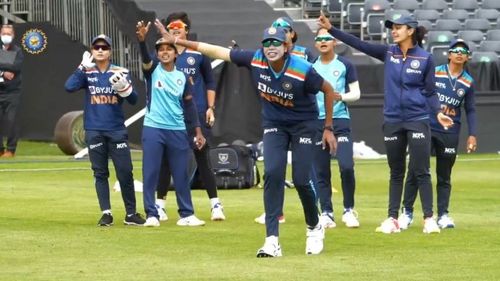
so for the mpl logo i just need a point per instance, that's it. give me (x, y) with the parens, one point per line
(418, 136)
(450, 150)
(92, 79)
(440, 85)
(223, 158)
(121, 145)
(305, 140)
(265, 77)
(395, 60)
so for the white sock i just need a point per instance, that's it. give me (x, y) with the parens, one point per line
(161, 203)
(272, 239)
(107, 212)
(214, 201)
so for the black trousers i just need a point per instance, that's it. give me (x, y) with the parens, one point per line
(445, 148)
(415, 136)
(9, 104)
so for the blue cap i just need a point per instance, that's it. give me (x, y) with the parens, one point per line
(283, 22)
(276, 33)
(456, 42)
(406, 20)
(103, 37)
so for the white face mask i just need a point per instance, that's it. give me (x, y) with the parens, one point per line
(6, 39)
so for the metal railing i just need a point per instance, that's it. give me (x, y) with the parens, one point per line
(82, 20)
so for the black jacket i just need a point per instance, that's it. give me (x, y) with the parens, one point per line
(14, 85)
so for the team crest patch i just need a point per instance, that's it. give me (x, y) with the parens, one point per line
(271, 30)
(223, 158)
(34, 41)
(415, 64)
(336, 73)
(460, 92)
(191, 61)
(179, 82)
(287, 86)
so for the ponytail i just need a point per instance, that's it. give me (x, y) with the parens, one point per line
(418, 35)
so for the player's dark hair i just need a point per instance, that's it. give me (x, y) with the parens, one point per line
(418, 35)
(178, 16)
(295, 37)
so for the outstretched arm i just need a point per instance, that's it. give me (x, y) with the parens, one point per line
(213, 51)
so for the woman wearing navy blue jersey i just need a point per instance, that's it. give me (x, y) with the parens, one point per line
(198, 67)
(169, 107)
(106, 87)
(454, 86)
(409, 91)
(341, 74)
(287, 86)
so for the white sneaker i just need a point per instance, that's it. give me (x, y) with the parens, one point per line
(262, 219)
(190, 221)
(314, 241)
(218, 213)
(388, 226)
(430, 226)
(405, 219)
(350, 218)
(445, 222)
(327, 220)
(271, 248)
(161, 213)
(152, 222)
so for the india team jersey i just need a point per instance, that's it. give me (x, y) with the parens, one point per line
(199, 70)
(165, 92)
(288, 96)
(103, 107)
(303, 52)
(339, 73)
(453, 93)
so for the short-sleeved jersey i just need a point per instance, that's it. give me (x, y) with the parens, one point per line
(165, 93)
(103, 107)
(288, 96)
(453, 93)
(199, 70)
(340, 72)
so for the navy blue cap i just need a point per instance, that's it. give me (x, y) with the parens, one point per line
(276, 33)
(406, 20)
(162, 41)
(456, 42)
(103, 37)
(283, 22)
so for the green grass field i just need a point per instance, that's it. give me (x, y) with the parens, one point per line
(49, 211)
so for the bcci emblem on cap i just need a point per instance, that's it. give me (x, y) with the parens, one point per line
(34, 41)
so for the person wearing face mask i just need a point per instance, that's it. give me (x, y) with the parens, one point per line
(287, 86)
(199, 69)
(106, 87)
(409, 92)
(455, 88)
(170, 106)
(10, 90)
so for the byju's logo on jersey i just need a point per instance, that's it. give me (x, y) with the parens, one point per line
(223, 158)
(460, 92)
(191, 61)
(287, 86)
(395, 60)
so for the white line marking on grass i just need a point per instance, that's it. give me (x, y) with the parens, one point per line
(43, 170)
(368, 161)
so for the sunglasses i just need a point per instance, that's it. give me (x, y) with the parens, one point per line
(101, 47)
(176, 25)
(270, 43)
(459, 50)
(323, 38)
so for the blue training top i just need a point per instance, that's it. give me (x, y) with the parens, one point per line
(198, 68)
(453, 92)
(103, 107)
(287, 96)
(409, 85)
(339, 72)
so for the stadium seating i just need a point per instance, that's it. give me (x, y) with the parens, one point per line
(469, 5)
(475, 36)
(438, 38)
(411, 5)
(490, 46)
(490, 4)
(477, 24)
(448, 24)
(438, 5)
(425, 23)
(458, 14)
(490, 14)
(493, 35)
(430, 15)
(484, 57)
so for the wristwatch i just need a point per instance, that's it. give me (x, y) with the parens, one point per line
(329, 128)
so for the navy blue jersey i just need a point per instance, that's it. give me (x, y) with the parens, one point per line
(198, 68)
(103, 107)
(409, 85)
(453, 92)
(288, 96)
